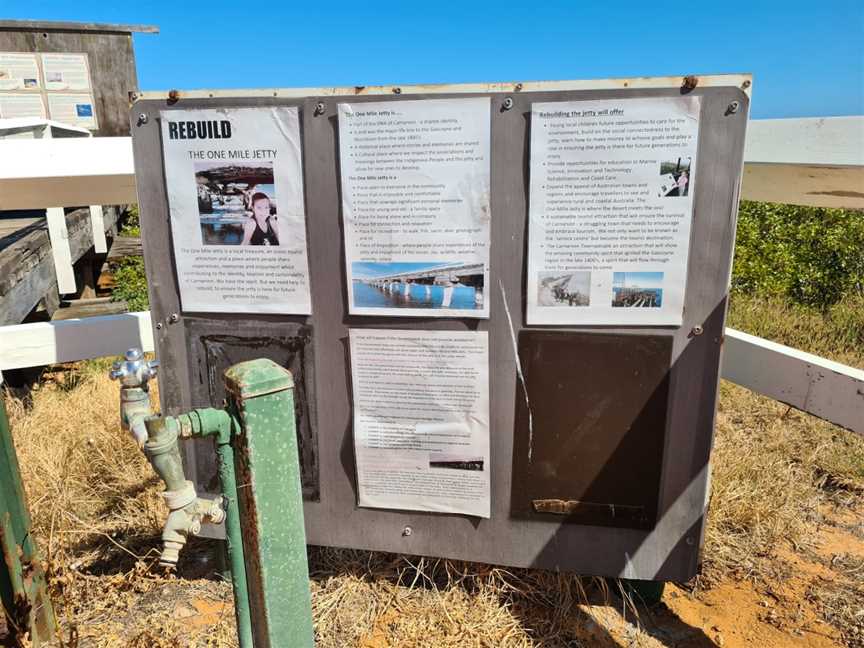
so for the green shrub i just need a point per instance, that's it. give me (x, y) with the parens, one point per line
(131, 222)
(130, 284)
(809, 255)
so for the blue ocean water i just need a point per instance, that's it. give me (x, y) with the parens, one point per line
(218, 234)
(366, 296)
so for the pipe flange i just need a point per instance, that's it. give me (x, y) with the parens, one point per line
(182, 498)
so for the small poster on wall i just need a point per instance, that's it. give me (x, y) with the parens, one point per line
(73, 109)
(235, 192)
(19, 71)
(21, 105)
(66, 72)
(611, 203)
(415, 205)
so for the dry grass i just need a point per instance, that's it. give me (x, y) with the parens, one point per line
(836, 333)
(774, 469)
(97, 517)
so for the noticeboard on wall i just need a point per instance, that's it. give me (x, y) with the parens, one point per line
(503, 304)
(55, 86)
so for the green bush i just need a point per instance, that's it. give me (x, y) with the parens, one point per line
(131, 222)
(130, 284)
(809, 255)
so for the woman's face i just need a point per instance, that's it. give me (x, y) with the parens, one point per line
(261, 208)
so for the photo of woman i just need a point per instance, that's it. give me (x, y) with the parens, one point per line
(262, 227)
(237, 204)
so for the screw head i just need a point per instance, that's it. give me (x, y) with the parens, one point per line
(158, 326)
(397, 90)
(174, 318)
(320, 108)
(697, 330)
(142, 118)
(407, 531)
(508, 103)
(733, 108)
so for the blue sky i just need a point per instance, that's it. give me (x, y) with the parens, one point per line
(807, 57)
(641, 279)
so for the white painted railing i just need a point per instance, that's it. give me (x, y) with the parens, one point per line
(49, 165)
(47, 343)
(810, 383)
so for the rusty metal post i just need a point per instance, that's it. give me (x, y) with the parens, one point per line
(271, 504)
(23, 592)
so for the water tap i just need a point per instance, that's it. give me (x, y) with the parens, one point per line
(134, 373)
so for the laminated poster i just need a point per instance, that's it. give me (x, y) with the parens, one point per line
(19, 71)
(14, 105)
(73, 109)
(421, 419)
(415, 206)
(66, 72)
(611, 205)
(235, 192)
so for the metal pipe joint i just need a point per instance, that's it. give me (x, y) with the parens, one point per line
(187, 510)
(158, 437)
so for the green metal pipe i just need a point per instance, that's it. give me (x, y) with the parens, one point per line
(234, 538)
(22, 579)
(164, 452)
(271, 504)
(220, 424)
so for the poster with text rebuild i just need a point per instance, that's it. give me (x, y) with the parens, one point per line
(415, 206)
(611, 203)
(235, 192)
(421, 419)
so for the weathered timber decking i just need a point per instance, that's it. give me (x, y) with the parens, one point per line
(123, 247)
(78, 308)
(26, 264)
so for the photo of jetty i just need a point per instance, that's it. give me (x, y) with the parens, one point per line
(434, 285)
(224, 198)
(563, 288)
(637, 289)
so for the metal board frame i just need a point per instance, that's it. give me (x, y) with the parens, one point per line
(669, 551)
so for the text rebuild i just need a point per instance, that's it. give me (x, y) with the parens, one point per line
(199, 129)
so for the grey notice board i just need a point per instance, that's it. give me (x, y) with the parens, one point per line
(640, 471)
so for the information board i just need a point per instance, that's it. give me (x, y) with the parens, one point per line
(54, 86)
(540, 417)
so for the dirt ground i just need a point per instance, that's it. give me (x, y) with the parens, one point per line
(788, 610)
(784, 552)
